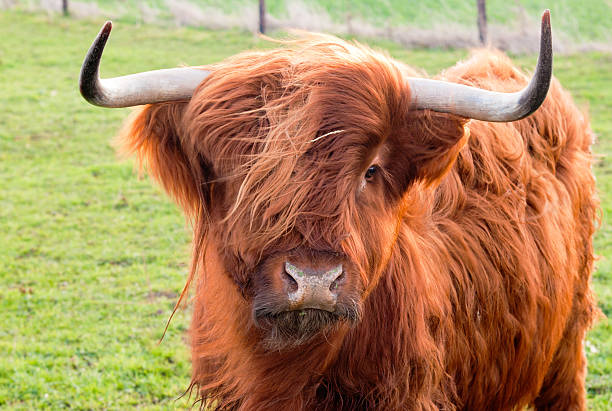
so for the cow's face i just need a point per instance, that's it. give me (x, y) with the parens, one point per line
(297, 167)
(306, 171)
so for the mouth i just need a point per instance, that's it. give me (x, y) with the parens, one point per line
(289, 329)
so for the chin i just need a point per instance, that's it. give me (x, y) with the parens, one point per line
(291, 329)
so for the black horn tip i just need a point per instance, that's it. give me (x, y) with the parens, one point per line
(88, 80)
(108, 26)
(539, 85)
(546, 33)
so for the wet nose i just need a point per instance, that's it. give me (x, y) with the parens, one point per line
(311, 288)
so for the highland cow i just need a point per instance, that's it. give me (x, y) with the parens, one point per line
(368, 239)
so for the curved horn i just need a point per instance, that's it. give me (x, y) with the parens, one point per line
(136, 89)
(472, 102)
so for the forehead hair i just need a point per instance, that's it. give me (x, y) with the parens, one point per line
(286, 132)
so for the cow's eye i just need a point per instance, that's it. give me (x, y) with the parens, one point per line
(371, 172)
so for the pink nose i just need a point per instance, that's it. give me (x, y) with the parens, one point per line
(310, 288)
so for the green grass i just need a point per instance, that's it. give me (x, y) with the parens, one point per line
(92, 258)
(589, 20)
(584, 20)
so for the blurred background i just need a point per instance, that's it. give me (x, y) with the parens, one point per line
(508, 24)
(93, 257)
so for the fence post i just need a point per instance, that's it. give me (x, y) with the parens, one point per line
(262, 16)
(482, 21)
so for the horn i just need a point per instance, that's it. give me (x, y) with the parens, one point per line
(472, 102)
(136, 89)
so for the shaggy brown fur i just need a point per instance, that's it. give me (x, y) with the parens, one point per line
(470, 250)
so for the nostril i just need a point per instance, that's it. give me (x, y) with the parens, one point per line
(292, 285)
(336, 283)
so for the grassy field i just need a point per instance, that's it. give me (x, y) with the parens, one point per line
(589, 20)
(92, 258)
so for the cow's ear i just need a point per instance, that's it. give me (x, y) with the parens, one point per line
(427, 145)
(153, 135)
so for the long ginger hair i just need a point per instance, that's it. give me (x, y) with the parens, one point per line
(472, 251)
